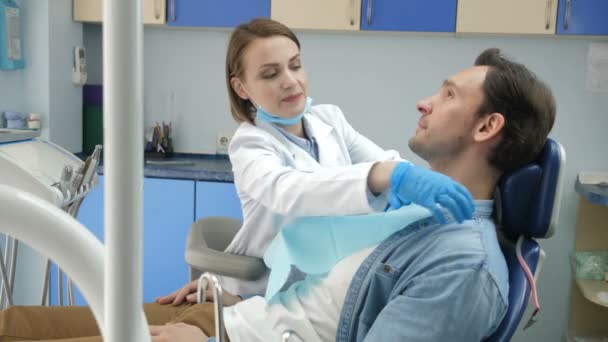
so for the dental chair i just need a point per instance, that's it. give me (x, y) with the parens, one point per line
(527, 207)
(527, 203)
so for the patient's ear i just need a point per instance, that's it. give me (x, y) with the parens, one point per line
(488, 127)
(238, 88)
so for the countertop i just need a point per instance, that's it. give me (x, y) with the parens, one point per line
(198, 167)
(597, 194)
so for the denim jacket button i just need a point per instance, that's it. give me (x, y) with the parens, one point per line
(387, 268)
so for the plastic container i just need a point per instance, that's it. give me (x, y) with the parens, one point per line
(590, 265)
(13, 120)
(33, 121)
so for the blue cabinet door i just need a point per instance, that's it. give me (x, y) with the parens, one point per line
(214, 13)
(168, 214)
(582, 17)
(409, 15)
(217, 199)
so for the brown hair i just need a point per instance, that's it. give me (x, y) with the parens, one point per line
(240, 39)
(527, 105)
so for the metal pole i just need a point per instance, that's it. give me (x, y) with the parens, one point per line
(5, 284)
(47, 280)
(123, 137)
(218, 306)
(13, 268)
(59, 286)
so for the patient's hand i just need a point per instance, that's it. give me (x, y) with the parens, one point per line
(188, 294)
(176, 332)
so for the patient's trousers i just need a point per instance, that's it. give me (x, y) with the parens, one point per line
(77, 324)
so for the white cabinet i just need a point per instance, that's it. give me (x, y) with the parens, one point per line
(513, 16)
(317, 14)
(92, 11)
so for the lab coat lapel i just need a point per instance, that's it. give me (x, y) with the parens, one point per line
(301, 160)
(330, 153)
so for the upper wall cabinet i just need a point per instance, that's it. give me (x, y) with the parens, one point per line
(408, 15)
(318, 14)
(215, 13)
(513, 16)
(577, 17)
(92, 11)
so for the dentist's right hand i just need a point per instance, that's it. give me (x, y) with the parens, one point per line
(409, 183)
(187, 294)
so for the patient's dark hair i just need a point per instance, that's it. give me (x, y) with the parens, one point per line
(526, 103)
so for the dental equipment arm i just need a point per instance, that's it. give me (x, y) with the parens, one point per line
(62, 238)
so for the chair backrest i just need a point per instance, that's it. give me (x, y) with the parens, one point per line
(217, 232)
(527, 204)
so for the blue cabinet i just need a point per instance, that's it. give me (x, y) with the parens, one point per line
(409, 15)
(582, 17)
(217, 199)
(213, 13)
(168, 214)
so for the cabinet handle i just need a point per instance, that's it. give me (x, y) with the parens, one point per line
(548, 14)
(369, 12)
(352, 12)
(567, 16)
(172, 5)
(156, 9)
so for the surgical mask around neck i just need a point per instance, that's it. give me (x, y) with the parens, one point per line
(263, 115)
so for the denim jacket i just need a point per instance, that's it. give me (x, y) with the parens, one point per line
(430, 283)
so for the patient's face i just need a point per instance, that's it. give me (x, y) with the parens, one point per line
(445, 128)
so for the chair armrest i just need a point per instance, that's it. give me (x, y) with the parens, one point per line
(226, 264)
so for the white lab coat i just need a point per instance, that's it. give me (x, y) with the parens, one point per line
(277, 180)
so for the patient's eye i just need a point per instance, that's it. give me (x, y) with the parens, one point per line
(448, 93)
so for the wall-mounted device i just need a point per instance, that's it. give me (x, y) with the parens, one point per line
(11, 55)
(79, 69)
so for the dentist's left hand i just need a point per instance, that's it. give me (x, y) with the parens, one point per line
(410, 183)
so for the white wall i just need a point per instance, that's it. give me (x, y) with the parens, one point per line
(11, 83)
(36, 45)
(11, 87)
(45, 85)
(65, 98)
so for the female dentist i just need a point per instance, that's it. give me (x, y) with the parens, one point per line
(292, 159)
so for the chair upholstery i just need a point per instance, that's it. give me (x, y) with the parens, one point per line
(527, 201)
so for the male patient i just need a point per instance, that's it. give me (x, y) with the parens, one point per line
(422, 283)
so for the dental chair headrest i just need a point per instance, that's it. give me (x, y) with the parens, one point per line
(528, 199)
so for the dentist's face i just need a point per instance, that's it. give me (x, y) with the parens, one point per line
(273, 76)
(446, 125)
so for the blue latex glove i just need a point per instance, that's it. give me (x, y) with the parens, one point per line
(427, 188)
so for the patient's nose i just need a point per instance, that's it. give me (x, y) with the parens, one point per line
(424, 106)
